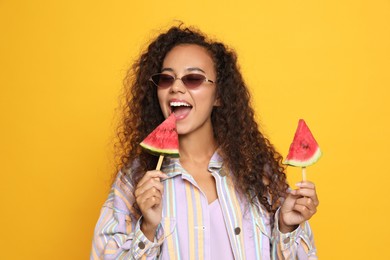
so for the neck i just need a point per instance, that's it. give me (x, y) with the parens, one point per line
(197, 147)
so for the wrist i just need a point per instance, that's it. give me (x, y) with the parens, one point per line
(285, 228)
(148, 230)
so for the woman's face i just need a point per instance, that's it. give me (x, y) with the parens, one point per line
(191, 106)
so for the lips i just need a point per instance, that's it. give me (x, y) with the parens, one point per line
(180, 108)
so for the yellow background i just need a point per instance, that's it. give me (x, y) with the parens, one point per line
(61, 70)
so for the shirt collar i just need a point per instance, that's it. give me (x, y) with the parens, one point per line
(216, 162)
(173, 168)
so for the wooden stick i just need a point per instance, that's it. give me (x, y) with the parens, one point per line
(303, 173)
(160, 160)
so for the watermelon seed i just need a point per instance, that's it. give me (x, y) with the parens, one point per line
(305, 145)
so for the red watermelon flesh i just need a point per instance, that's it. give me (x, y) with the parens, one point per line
(304, 150)
(164, 139)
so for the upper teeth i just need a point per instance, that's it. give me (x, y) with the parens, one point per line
(178, 104)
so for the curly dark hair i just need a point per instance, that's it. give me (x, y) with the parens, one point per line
(246, 152)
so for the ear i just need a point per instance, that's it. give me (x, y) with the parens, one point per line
(217, 102)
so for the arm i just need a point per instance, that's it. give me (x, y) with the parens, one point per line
(292, 236)
(298, 244)
(118, 233)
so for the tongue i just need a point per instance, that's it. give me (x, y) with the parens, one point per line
(179, 111)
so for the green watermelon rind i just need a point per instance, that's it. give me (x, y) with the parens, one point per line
(307, 162)
(154, 151)
(163, 140)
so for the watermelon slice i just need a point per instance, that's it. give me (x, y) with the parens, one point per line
(304, 150)
(164, 139)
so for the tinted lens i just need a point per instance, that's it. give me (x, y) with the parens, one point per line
(193, 80)
(163, 80)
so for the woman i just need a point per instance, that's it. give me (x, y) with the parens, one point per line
(226, 197)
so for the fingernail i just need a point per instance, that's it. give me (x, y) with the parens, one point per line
(299, 184)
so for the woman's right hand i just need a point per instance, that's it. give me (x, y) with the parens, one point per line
(148, 195)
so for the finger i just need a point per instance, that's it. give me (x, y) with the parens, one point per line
(289, 202)
(306, 184)
(151, 184)
(304, 192)
(291, 197)
(158, 175)
(152, 174)
(307, 189)
(148, 188)
(307, 202)
(305, 212)
(309, 193)
(147, 202)
(150, 203)
(152, 192)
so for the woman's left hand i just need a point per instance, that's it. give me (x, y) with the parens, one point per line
(300, 205)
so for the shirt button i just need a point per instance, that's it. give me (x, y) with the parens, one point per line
(141, 245)
(237, 230)
(286, 240)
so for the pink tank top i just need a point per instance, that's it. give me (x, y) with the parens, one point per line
(220, 244)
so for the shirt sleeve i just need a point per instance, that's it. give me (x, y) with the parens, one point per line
(298, 244)
(117, 233)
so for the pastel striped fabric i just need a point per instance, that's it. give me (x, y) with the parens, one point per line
(184, 232)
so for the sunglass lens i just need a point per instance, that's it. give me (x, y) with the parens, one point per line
(163, 80)
(193, 80)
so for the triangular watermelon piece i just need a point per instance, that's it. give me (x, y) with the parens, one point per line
(304, 150)
(164, 139)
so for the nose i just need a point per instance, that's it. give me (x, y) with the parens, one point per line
(178, 86)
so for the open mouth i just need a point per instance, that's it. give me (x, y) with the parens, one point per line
(180, 108)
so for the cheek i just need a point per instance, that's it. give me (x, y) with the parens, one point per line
(163, 96)
(160, 96)
(208, 98)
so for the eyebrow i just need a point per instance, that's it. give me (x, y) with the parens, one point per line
(188, 69)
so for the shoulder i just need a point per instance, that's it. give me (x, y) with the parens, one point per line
(121, 198)
(123, 181)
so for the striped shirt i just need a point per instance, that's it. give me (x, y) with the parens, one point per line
(184, 232)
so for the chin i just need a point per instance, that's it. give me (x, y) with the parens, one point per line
(181, 131)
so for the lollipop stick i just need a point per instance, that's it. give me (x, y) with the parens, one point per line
(160, 160)
(303, 173)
